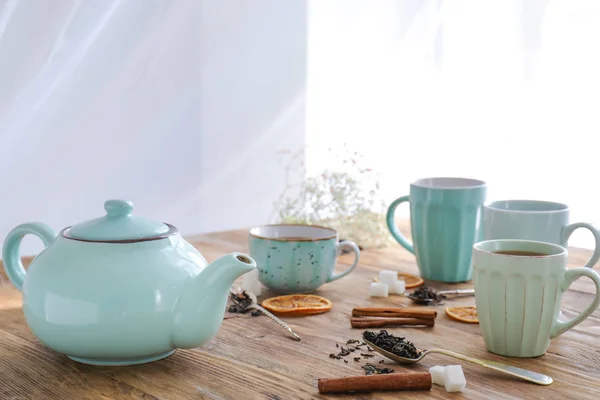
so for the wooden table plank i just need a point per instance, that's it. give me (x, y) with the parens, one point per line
(251, 357)
(29, 371)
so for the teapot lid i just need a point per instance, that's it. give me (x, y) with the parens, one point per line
(118, 225)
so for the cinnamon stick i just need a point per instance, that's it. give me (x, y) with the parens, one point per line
(381, 322)
(371, 383)
(394, 312)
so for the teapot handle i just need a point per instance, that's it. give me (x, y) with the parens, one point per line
(12, 244)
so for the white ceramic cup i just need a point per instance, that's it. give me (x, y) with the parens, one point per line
(518, 291)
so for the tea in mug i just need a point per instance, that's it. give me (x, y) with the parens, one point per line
(520, 253)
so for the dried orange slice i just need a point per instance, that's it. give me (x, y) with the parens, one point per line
(463, 314)
(410, 281)
(297, 304)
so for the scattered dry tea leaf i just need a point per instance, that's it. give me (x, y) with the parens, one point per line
(463, 314)
(410, 281)
(297, 304)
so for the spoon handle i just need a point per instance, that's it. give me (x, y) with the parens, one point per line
(458, 291)
(530, 376)
(274, 318)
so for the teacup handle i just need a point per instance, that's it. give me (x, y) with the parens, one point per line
(391, 223)
(560, 327)
(338, 249)
(568, 231)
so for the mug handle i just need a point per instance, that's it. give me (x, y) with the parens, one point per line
(391, 223)
(568, 231)
(560, 327)
(338, 248)
(10, 251)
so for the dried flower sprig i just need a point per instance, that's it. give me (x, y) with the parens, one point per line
(344, 198)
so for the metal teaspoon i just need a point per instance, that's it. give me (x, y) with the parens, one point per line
(462, 292)
(530, 376)
(254, 305)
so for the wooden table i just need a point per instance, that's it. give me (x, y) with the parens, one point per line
(252, 358)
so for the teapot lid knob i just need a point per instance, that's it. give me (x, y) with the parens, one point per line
(118, 208)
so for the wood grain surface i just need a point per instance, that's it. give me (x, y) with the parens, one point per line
(253, 358)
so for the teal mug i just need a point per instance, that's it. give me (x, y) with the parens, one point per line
(544, 221)
(445, 218)
(297, 258)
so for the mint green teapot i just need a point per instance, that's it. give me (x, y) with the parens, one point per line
(120, 289)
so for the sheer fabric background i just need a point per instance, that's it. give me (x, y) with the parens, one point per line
(182, 105)
(177, 105)
(504, 91)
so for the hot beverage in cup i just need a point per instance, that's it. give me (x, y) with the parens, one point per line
(518, 291)
(298, 258)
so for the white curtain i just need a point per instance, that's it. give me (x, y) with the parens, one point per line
(177, 105)
(501, 90)
(182, 105)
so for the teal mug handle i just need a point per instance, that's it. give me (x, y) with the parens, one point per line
(560, 327)
(12, 244)
(338, 248)
(391, 223)
(568, 231)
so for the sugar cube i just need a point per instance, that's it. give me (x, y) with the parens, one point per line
(437, 375)
(250, 282)
(397, 287)
(454, 378)
(378, 289)
(388, 277)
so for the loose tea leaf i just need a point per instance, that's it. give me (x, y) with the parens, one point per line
(396, 345)
(426, 293)
(235, 309)
(244, 301)
(344, 352)
(370, 369)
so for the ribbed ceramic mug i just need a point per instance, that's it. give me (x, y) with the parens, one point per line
(445, 215)
(543, 221)
(298, 258)
(518, 291)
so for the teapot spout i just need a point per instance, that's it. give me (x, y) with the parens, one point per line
(201, 304)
